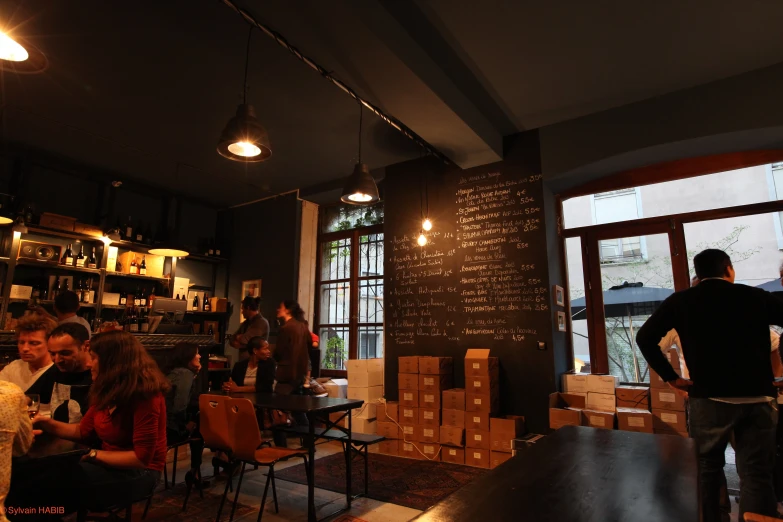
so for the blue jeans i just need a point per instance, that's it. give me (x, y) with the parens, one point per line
(711, 424)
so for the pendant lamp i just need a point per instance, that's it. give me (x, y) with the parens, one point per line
(360, 188)
(244, 138)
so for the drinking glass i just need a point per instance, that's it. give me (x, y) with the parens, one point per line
(33, 404)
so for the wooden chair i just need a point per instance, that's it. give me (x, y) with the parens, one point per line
(752, 517)
(213, 415)
(246, 443)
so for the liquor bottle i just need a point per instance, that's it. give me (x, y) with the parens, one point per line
(123, 298)
(80, 259)
(143, 266)
(195, 303)
(128, 229)
(92, 262)
(211, 331)
(68, 257)
(137, 297)
(80, 291)
(139, 234)
(183, 297)
(207, 306)
(66, 286)
(134, 268)
(143, 299)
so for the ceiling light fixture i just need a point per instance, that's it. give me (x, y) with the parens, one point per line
(19, 56)
(169, 251)
(12, 50)
(244, 138)
(360, 188)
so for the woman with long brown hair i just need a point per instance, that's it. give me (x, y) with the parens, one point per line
(127, 416)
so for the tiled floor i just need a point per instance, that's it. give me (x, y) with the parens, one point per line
(292, 498)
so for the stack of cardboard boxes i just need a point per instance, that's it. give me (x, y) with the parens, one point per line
(598, 392)
(365, 382)
(452, 429)
(482, 400)
(668, 407)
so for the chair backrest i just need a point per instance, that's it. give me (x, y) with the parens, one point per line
(243, 427)
(213, 422)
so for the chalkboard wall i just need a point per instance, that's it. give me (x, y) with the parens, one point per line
(481, 281)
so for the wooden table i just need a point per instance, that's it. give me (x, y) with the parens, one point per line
(47, 448)
(583, 474)
(316, 409)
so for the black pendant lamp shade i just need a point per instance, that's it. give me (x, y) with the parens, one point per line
(360, 188)
(244, 138)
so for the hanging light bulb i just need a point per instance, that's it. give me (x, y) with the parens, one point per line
(360, 188)
(244, 138)
(422, 239)
(427, 225)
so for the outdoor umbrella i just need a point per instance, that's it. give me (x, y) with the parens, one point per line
(773, 286)
(627, 299)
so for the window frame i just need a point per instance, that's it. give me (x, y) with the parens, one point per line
(353, 281)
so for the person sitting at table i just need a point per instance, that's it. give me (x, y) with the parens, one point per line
(183, 368)
(254, 374)
(32, 331)
(16, 434)
(254, 325)
(66, 304)
(127, 419)
(65, 387)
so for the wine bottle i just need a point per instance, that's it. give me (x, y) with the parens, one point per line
(143, 300)
(134, 268)
(92, 262)
(211, 331)
(80, 259)
(88, 292)
(134, 323)
(144, 323)
(207, 306)
(195, 303)
(143, 266)
(212, 248)
(137, 297)
(139, 234)
(68, 257)
(128, 229)
(123, 298)
(66, 286)
(183, 297)
(79, 291)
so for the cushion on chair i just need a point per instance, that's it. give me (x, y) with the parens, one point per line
(268, 456)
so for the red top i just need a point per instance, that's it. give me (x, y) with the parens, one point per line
(141, 429)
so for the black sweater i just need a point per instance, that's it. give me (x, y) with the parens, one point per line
(724, 330)
(265, 375)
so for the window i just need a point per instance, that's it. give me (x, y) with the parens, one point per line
(350, 293)
(612, 207)
(775, 183)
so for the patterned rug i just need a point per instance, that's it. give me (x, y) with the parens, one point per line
(416, 484)
(167, 505)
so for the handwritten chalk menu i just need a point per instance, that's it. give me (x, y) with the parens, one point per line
(480, 281)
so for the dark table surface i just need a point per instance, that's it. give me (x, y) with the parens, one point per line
(47, 447)
(297, 403)
(582, 474)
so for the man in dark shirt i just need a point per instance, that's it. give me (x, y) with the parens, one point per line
(724, 329)
(66, 385)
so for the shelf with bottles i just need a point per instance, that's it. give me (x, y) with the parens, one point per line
(56, 266)
(134, 276)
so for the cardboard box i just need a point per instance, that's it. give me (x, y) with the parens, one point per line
(565, 410)
(88, 230)
(452, 436)
(354, 366)
(387, 411)
(57, 222)
(371, 394)
(368, 426)
(337, 388)
(434, 383)
(408, 416)
(365, 379)
(496, 458)
(633, 397)
(656, 381)
(482, 403)
(478, 458)
(409, 398)
(408, 433)
(389, 447)
(482, 385)
(110, 298)
(504, 430)
(436, 365)
(453, 399)
(427, 434)
(667, 399)
(154, 263)
(387, 429)
(429, 399)
(478, 363)
(111, 260)
(598, 419)
(429, 417)
(601, 383)
(477, 421)
(431, 451)
(601, 401)
(368, 411)
(478, 439)
(411, 451)
(408, 381)
(575, 382)
(453, 455)
(631, 419)
(218, 304)
(408, 365)
(454, 418)
(669, 420)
